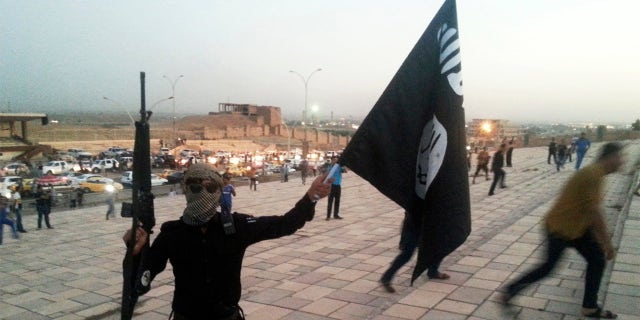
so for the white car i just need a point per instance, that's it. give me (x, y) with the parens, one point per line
(105, 164)
(16, 168)
(8, 181)
(127, 179)
(157, 181)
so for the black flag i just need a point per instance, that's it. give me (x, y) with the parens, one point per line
(412, 147)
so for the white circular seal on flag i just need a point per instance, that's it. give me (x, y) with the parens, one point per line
(431, 152)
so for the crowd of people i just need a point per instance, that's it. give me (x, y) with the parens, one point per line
(558, 154)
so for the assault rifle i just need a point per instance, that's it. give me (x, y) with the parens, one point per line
(141, 210)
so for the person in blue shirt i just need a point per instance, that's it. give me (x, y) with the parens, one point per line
(582, 145)
(228, 192)
(4, 219)
(336, 190)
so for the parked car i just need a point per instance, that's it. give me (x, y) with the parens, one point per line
(166, 161)
(113, 152)
(166, 172)
(7, 182)
(57, 167)
(157, 181)
(100, 184)
(27, 185)
(127, 179)
(79, 153)
(126, 162)
(16, 168)
(175, 177)
(53, 180)
(71, 176)
(188, 153)
(85, 165)
(106, 164)
(77, 179)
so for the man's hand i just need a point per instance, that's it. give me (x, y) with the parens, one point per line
(319, 189)
(141, 239)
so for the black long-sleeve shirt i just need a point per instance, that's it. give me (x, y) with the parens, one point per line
(498, 161)
(207, 265)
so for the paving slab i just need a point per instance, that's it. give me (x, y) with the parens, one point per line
(330, 269)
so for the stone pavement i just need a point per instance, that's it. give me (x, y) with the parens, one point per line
(330, 269)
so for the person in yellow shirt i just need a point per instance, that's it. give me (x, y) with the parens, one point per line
(576, 220)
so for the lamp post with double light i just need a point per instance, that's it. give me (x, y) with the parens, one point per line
(306, 90)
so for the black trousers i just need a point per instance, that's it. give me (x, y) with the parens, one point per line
(497, 175)
(334, 200)
(590, 250)
(551, 154)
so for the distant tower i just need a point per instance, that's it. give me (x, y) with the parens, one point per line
(331, 116)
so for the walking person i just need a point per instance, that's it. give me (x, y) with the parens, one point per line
(409, 239)
(228, 192)
(16, 207)
(206, 260)
(285, 171)
(79, 196)
(510, 147)
(482, 163)
(336, 190)
(562, 155)
(111, 209)
(582, 145)
(577, 220)
(552, 151)
(572, 148)
(4, 219)
(253, 179)
(304, 166)
(496, 167)
(43, 206)
(73, 199)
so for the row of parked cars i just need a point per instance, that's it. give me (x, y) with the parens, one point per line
(88, 183)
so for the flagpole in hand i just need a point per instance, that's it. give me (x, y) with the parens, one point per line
(333, 170)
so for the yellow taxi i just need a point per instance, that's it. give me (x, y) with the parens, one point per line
(100, 184)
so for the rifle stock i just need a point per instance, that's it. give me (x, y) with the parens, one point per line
(141, 210)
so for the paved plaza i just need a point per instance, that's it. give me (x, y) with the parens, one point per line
(330, 269)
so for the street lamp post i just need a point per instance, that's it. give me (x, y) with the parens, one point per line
(159, 101)
(173, 94)
(314, 114)
(306, 91)
(121, 106)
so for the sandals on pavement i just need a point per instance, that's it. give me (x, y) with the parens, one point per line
(600, 314)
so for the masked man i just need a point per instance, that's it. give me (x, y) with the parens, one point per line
(206, 248)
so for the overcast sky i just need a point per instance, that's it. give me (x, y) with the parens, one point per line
(543, 60)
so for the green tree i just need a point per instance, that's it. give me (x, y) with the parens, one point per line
(636, 125)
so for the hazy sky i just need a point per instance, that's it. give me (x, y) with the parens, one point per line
(542, 60)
